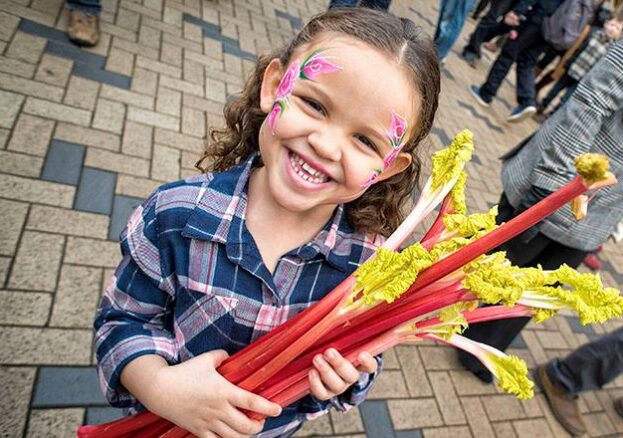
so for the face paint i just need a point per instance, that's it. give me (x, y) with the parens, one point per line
(313, 66)
(396, 136)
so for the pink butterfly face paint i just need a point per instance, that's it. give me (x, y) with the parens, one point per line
(396, 137)
(313, 66)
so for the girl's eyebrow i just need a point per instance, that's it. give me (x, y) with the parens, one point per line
(380, 136)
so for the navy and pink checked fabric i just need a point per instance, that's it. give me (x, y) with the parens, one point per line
(192, 280)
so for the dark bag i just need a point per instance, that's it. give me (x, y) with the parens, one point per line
(564, 26)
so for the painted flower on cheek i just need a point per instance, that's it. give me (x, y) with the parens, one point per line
(317, 65)
(391, 157)
(372, 178)
(286, 85)
(274, 115)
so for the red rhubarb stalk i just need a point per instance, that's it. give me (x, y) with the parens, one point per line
(119, 428)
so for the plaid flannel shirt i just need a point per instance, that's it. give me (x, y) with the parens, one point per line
(596, 47)
(192, 280)
(590, 121)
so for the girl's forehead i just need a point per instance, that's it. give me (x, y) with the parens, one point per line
(371, 81)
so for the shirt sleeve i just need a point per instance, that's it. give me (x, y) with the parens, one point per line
(312, 408)
(135, 307)
(572, 132)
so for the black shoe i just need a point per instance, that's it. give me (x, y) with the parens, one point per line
(470, 58)
(470, 363)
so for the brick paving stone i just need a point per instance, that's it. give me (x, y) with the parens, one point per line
(447, 399)
(16, 383)
(31, 135)
(37, 262)
(504, 429)
(439, 358)
(503, 407)
(128, 19)
(44, 346)
(77, 297)
(8, 25)
(613, 416)
(390, 360)
(109, 116)
(24, 308)
(390, 384)
(5, 262)
(62, 221)
(551, 340)
(20, 164)
(193, 72)
(120, 61)
(56, 111)
(178, 141)
(346, 422)
(171, 54)
(87, 137)
(534, 346)
(180, 85)
(137, 139)
(209, 106)
(444, 432)
(4, 137)
(81, 93)
(159, 67)
(54, 423)
(215, 90)
(466, 383)
(476, 417)
(165, 163)
(92, 252)
(54, 70)
(169, 101)
(144, 81)
(414, 413)
(193, 122)
(17, 67)
(26, 47)
(536, 427)
(10, 104)
(13, 217)
(415, 376)
(114, 162)
(153, 118)
(133, 47)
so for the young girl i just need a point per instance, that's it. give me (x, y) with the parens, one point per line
(304, 183)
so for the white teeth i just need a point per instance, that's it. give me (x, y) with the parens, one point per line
(305, 171)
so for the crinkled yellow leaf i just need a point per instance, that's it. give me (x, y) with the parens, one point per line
(448, 163)
(592, 167)
(457, 194)
(468, 225)
(512, 376)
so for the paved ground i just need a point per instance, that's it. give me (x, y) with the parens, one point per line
(86, 134)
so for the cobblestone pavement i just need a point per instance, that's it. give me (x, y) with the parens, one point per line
(86, 134)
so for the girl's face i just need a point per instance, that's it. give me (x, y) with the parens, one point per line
(336, 115)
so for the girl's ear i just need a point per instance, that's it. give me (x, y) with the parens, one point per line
(270, 83)
(402, 161)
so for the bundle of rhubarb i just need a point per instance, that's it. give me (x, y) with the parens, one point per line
(429, 290)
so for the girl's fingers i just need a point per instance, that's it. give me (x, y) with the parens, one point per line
(367, 363)
(251, 402)
(317, 388)
(329, 376)
(346, 370)
(223, 430)
(240, 423)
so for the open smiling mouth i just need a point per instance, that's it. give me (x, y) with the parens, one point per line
(306, 171)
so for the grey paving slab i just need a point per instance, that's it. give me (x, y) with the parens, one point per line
(479, 116)
(95, 191)
(237, 51)
(63, 163)
(296, 22)
(212, 31)
(102, 415)
(44, 31)
(576, 327)
(518, 342)
(123, 207)
(102, 76)
(67, 386)
(74, 53)
(415, 433)
(376, 419)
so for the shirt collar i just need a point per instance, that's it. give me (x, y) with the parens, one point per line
(220, 214)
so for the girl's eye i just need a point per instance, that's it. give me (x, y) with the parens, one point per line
(366, 141)
(314, 105)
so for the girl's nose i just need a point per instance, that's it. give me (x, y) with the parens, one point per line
(326, 144)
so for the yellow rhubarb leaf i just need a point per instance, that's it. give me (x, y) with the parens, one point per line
(448, 163)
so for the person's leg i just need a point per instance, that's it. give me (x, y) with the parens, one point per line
(382, 5)
(91, 7)
(451, 21)
(573, 84)
(591, 366)
(481, 6)
(527, 59)
(500, 69)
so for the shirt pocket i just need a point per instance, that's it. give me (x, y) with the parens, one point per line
(206, 323)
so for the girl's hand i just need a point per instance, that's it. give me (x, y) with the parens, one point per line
(195, 396)
(333, 374)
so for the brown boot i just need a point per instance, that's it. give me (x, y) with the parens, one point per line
(618, 406)
(563, 404)
(83, 29)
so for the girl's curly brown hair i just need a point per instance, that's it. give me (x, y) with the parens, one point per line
(378, 210)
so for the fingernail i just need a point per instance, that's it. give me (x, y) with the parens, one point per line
(318, 360)
(332, 353)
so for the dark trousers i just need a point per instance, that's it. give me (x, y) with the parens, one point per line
(481, 6)
(539, 250)
(489, 26)
(525, 51)
(565, 82)
(372, 4)
(591, 366)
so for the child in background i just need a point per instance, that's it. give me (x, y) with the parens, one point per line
(305, 182)
(580, 64)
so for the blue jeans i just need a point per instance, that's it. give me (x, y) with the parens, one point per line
(452, 16)
(92, 7)
(591, 366)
